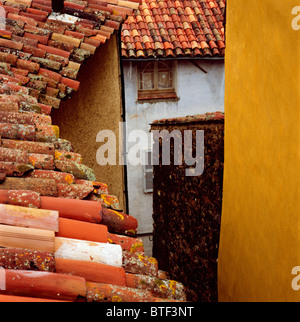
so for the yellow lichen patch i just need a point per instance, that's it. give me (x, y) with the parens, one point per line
(57, 155)
(116, 298)
(152, 260)
(130, 231)
(32, 160)
(69, 179)
(103, 197)
(141, 258)
(163, 287)
(56, 130)
(172, 285)
(117, 213)
(135, 246)
(112, 199)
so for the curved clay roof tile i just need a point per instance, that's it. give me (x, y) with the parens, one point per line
(185, 16)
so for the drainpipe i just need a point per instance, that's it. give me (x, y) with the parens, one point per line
(124, 118)
(57, 5)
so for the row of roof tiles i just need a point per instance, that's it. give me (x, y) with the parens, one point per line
(175, 28)
(41, 57)
(50, 202)
(210, 116)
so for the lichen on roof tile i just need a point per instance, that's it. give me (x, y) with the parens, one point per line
(210, 116)
(42, 178)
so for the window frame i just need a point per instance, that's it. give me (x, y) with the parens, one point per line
(157, 93)
(147, 170)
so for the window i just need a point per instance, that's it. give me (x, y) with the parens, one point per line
(156, 80)
(148, 172)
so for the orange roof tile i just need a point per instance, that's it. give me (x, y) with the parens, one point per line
(178, 28)
(40, 173)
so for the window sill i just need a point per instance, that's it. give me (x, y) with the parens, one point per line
(157, 96)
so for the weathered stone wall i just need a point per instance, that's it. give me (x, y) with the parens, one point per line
(187, 214)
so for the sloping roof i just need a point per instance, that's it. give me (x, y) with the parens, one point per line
(210, 116)
(55, 218)
(174, 29)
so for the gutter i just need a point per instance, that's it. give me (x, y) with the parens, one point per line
(174, 58)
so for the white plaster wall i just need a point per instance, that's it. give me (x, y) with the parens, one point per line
(198, 93)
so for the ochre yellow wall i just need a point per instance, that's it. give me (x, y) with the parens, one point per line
(260, 228)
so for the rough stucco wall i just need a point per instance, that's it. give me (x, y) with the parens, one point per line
(187, 215)
(96, 106)
(260, 227)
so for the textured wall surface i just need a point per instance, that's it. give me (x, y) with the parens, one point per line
(260, 227)
(187, 215)
(96, 106)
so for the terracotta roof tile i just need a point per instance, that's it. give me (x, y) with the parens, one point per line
(196, 26)
(40, 59)
(214, 116)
